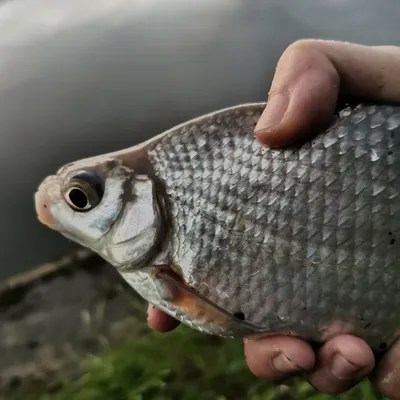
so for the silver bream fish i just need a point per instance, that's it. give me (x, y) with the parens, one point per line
(236, 239)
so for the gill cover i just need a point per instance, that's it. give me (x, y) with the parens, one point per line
(135, 234)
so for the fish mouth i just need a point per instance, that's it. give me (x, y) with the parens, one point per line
(42, 206)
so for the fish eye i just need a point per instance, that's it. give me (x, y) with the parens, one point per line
(84, 191)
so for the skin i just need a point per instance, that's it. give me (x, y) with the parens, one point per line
(309, 77)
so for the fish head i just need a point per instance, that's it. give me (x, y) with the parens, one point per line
(105, 206)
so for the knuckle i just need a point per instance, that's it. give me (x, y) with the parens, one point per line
(388, 384)
(300, 55)
(386, 377)
(392, 393)
(303, 44)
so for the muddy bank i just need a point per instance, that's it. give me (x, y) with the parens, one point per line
(51, 316)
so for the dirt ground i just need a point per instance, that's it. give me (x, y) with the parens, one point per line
(53, 315)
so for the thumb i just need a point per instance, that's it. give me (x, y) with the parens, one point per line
(307, 81)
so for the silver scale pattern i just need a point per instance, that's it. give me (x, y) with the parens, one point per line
(300, 240)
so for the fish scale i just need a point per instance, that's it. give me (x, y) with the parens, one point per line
(305, 246)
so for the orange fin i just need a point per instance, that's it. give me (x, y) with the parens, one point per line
(183, 303)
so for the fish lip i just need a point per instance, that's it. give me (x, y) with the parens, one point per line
(45, 217)
(43, 199)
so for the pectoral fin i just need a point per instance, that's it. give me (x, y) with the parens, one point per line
(185, 304)
(165, 289)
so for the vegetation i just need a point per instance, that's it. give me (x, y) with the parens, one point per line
(182, 365)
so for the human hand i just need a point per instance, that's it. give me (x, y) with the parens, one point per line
(309, 77)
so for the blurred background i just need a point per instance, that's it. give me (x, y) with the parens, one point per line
(82, 77)
(79, 78)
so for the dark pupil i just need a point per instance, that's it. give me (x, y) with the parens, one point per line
(78, 198)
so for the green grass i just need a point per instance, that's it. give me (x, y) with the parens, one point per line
(181, 365)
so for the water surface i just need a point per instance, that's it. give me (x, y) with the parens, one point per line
(79, 78)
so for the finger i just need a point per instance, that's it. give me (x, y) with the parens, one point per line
(307, 81)
(160, 321)
(341, 363)
(278, 357)
(386, 378)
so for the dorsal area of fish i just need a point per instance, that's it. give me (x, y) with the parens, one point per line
(298, 239)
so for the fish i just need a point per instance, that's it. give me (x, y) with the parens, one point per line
(237, 239)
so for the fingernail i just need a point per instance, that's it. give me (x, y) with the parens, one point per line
(274, 111)
(343, 369)
(284, 365)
